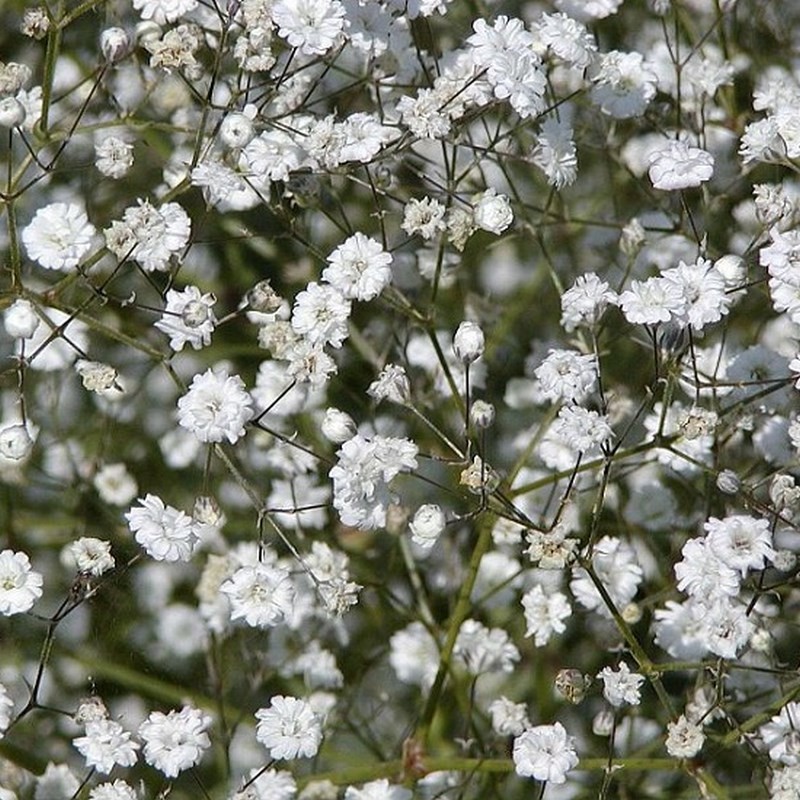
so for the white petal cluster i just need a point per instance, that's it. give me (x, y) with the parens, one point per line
(58, 236)
(289, 728)
(176, 741)
(20, 585)
(165, 533)
(546, 753)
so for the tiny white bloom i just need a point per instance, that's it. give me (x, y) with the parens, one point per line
(58, 236)
(546, 752)
(288, 728)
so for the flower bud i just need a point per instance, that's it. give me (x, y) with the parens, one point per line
(236, 130)
(603, 723)
(263, 298)
(21, 320)
(12, 113)
(733, 270)
(728, 482)
(338, 426)
(481, 414)
(206, 511)
(468, 342)
(427, 525)
(115, 43)
(572, 684)
(196, 313)
(15, 443)
(493, 212)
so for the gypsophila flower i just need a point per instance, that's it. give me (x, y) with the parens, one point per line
(56, 783)
(118, 790)
(492, 211)
(106, 744)
(427, 525)
(289, 728)
(6, 708)
(614, 562)
(679, 166)
(468, 342)
(359, 268)
(188, 318)
(165, 533)
(555, 153)
(740, 542)
(337, 426)
(379, 789)
(546, 753)
(621, 686)
(624, 84)
(310, 25)
(684, 738)
(16, 443)
(414, 655)
(585, 302)
(113, 157)
(320, 315)
(92, 556)
(163, 11)
(216, 407)
(392, 384)
(484, 650)
(425, 217)
(567, 376)
(20, 585)
(545, 614)
(150, 236)
(362, 474)
(778, 732)
(175, 741)
(20, 319)
(508, 719)
(115, 485)
(58, 236)
(262, 595)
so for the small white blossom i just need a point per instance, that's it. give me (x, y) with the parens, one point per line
(165, 533)
(621, 686)
(679, 166)
(58, 236)
(175, 741)
(20, 585)
(289, 728)
(545, 614)
(546, 752)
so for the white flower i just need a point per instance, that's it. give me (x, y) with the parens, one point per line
(484, 650)
(684, 738)
(310, 25)
(16, 442)
(778, 733)
(165, 533)
(149, 235)
(359, 268)
(546, 752)
(427, 525)
(508, 719)
(545, 614)
(740, 542)
(174, 742)
(320, 315)
(6, 708)
(414, 655)
(585, 302)
(92, 556)
(492, 211)
(338, 426)
(105, 744)
(624, 84)
(20, 319)
(651, 302)
(58, 236)
(163, 11)
(188, 318)
(118, 790)
(702, 574)
(20, 586)
(392, 384)
(261, 594)
(614, 562)
(288, 728)
(115, 485)
(679, 166)
(361, 478)
(425, 217)
(113, 157)
(216, 407)
(621, 686)
(567, 376)
(555, 153)
(380, 789)
(468, 342)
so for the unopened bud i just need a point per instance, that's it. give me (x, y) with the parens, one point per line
(572, 684)
(468, 342)
(263, 298)
(115, 44)
(338, 426)
(728, 482)
(482, 414)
